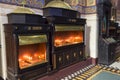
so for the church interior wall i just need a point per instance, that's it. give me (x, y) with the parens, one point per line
(91, 34)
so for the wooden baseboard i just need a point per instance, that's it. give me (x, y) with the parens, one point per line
(94, 61)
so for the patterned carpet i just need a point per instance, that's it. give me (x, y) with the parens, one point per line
(106, 75)
(116, 64)
(118, 59)
(95, 72)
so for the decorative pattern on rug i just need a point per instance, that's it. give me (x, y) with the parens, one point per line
(118, 59)
(95, 72)
(116, 63)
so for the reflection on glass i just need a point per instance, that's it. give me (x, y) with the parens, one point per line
(63, 38)
(33, 53)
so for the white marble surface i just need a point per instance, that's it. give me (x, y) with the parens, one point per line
(115, 65)
(91, 35)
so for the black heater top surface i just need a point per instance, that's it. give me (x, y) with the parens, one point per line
(66, 20)
(25, 28)
(52, 11)
(25, 41)
(24, 18)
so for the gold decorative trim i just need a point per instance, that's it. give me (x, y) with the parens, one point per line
(75, 54)
(34, 39)
(91, 2)
(23, 10)
(54, 61)
(60, 59)
(58, 4)
(80, 52)
(72, 20)
(68, 28)
(67, 57)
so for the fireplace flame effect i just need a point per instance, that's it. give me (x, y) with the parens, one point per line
(68, 38)
(31, 56)
(28, 60)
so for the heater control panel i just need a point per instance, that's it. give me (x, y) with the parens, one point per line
(31, 28)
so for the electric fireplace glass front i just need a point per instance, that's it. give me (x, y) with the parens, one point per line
(68, 35)
(32, 50)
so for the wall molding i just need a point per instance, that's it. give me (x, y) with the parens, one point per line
(2, 14)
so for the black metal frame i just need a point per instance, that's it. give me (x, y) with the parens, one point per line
(33, 32)
(63, 51)
(42, 69)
